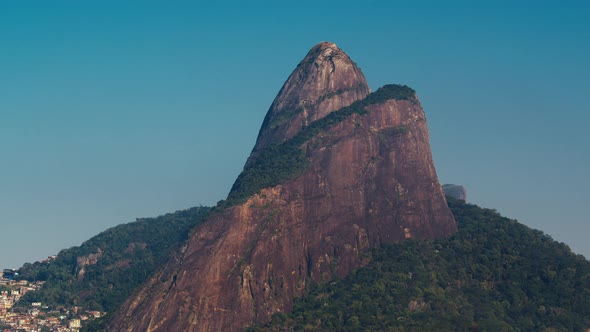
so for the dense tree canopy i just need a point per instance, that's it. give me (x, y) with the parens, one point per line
(125, 256)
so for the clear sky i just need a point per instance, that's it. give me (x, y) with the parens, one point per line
(122, 109)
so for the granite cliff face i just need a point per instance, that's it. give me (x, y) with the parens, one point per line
(324, 81)
(368, 179)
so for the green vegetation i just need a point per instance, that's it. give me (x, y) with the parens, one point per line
(129, 254)
(388, 92)
(282, 162)
(284, 117)
(493, 275)
(4, 288)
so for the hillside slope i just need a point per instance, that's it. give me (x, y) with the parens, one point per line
(494, 274)
(102, 272)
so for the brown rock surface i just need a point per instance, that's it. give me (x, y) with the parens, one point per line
(324, 81)
(370, 180)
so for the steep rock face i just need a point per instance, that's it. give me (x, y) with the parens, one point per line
(324, 81)
(370, 180)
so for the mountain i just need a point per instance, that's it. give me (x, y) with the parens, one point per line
(335, 172)
(324, 81)
(455, 191)
(102, 272)
(494, 274)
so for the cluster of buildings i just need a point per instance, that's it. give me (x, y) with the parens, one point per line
(35, 317)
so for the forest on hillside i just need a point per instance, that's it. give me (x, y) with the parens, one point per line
(102, 272)
(494, 274)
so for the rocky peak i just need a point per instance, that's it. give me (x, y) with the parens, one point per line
(324, 81)
(335, 172)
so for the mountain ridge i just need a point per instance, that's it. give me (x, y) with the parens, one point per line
(377, 155)
(324, 81)
(364, 176)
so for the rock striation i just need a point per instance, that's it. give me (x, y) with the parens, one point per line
(324, 81)
(368, 179)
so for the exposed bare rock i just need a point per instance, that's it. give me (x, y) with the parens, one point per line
(417, 305)
(370, 180)
(83, 261)
(455, 191)
(324, 81)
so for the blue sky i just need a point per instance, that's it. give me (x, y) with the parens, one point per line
(112, 111)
